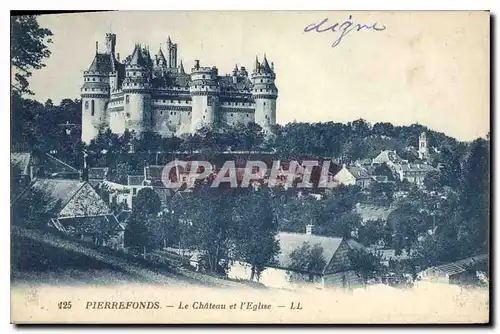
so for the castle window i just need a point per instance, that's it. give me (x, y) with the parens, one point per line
(231, 114)
(247, 115)
(133, 73)
(127, 98)
(264, 103)
(128, 115)
(163, 101)
(86, 104)
(93, 79)
(203, 76)
(92, 111)
(203, 117)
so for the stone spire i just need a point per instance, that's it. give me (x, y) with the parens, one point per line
(181, 68)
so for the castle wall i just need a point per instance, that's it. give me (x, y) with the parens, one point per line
(265, 113)
(138, 112)
(202, 113)
(117, 121)
(233, 116)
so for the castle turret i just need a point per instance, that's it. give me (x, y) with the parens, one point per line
(235, 74)
(265, 94)
(110, 43)
(171, 53)
(95, 95)
(204, 90)
(137, 91)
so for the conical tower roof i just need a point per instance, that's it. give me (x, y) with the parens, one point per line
(265, 65)
(161, 56)
(137, 57)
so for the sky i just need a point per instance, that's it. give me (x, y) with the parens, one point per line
(430, 68)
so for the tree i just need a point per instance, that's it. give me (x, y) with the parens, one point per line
(255, 231)
(381, 193)
(366, 264)
(146, 203)
(450, 172)
(33, 210)
(29, 46)
(137, 235)
(475, 196)
(307, 259)
(211, 213)
(372, 232)
(432, 181)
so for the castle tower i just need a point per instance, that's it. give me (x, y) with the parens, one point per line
(95, 96)
(265, 94)
(423, 150)
(110, 43)
(137, 92)
(171, 53)
(204, 90)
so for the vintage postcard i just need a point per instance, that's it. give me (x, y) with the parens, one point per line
(250, 167)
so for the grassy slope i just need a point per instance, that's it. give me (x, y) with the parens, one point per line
(46, 258)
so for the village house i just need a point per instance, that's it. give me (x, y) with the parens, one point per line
(27, 166)
(338, 271)
(464, 272)
(76, 210)
(22, 168)
(413, 173)
(353, 175)
(388, 157)
(370, 213)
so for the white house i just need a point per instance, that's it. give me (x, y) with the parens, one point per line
(353, 175)
(337, 271)
(460, 272)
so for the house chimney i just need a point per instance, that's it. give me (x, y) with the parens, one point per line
(309, 229)
(84, 174)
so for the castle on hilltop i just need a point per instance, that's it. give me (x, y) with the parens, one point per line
(155, 94)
